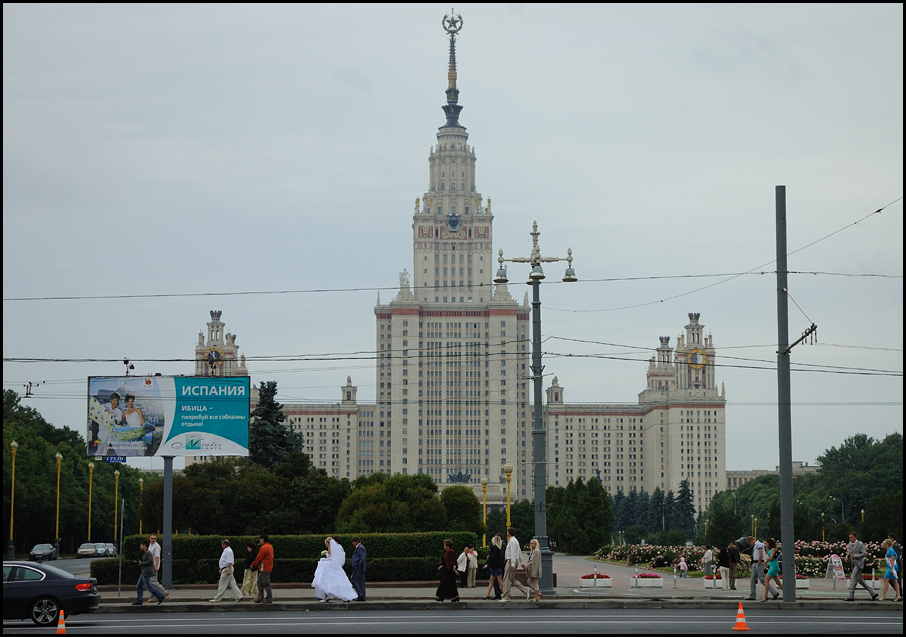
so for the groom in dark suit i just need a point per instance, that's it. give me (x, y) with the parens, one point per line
(359, 567)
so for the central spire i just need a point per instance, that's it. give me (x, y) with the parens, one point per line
(452, 24)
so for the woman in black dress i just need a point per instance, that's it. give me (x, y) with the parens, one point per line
(495, 566)
(447, 570)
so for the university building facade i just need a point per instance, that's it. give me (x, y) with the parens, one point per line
(452, 371)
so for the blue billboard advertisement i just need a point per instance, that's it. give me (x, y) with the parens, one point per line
(168, 416)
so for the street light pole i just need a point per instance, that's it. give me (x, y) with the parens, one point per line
(508, 470)
(11, 547)
(822, 527)
(116, 497)
(539, 439)
(90, 482)
(56, 535)
(734, 503)
(141, 502)
(484, 515)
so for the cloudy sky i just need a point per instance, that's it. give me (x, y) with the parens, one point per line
(183, 151)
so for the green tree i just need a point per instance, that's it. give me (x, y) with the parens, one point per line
(580, 519)
(635, 534)
(620, 511)
(684, 510)
(670, 509)
(396, 504)
(724, 526)
(522, 518)
(463, 509)
(655, 520)
(883, 515)
(270, 441)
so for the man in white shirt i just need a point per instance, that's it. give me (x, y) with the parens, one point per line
(758, 555)
(513, 557)
(154, 547)
(227, 576)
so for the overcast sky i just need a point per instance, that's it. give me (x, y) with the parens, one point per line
(193, 149)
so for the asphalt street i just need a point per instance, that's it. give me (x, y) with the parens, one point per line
(448, 619)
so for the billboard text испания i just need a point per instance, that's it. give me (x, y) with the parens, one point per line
(168, 416)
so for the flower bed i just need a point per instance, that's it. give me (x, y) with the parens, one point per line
(647, 580)
(601, 581)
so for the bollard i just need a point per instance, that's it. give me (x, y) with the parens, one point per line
(635, 582)
(596, 576)
(674, 580)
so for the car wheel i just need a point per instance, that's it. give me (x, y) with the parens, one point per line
(45, 611)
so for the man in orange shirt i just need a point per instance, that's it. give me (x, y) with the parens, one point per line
(265, 564)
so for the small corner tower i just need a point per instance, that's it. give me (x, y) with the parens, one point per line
(218, 354)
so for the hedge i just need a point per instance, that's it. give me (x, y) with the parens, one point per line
(195, 547)
(387, 569)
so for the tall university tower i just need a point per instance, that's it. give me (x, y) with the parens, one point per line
(451, 347)
(452, 367)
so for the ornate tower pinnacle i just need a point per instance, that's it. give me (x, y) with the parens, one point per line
(452, 24)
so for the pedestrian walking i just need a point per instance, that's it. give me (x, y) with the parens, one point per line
(154, 547)
(758, 555)
(330, 579)
(773, 560)
(899, 551)
(495, 566)
(856, 554)
(144, 579)
(462, 565)
(265, 563)
(447, 587)
(735, 559)
(891, 576)
(227, 574)
(533, 570)
(706, 560)
(359, 568)
(472, 554)
(250, 575)
(682, 567)
(513, 558)
(723, 565)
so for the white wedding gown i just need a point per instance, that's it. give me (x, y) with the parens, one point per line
(330, 579)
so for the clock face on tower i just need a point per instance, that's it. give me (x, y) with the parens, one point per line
(453, 222)
(214, 356)
(697, 359)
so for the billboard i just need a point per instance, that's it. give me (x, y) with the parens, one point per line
(168, 416)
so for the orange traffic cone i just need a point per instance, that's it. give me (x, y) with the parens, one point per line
(740, 619)
(61, 625)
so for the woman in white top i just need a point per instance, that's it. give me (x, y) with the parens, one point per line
(330, 579)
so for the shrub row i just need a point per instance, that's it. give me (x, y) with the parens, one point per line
(378, 545)
(395, 569)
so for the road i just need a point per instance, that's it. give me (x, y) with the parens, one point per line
(448, 619)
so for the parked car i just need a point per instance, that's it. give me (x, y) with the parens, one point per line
(43, 552)
(111, 550)
(88, 549)
(39, 591)
(101, 549)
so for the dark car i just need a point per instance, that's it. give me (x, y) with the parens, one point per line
(43, 552)
(39, 591)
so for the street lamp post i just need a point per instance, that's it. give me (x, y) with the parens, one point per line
(863, 515)
(90, 482)
(842, 511)
(822, 527)
(141, 502)
(508, 470)
(734, 503)
(539, 443)
(706, 531)
(56, 535)
(116, 498)
(484, 515)
(756, 528)
(11, 547)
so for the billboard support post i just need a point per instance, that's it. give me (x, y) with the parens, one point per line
(167, 562)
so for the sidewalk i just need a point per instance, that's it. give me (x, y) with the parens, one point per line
(676, 593)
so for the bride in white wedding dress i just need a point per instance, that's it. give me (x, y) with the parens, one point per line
(330, 579)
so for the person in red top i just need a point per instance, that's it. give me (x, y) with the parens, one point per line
(447, 570)
(265, 564)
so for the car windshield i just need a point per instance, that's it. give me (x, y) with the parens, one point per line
(53, 570)
(87, 546)
(101, 546)
(42, 547)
